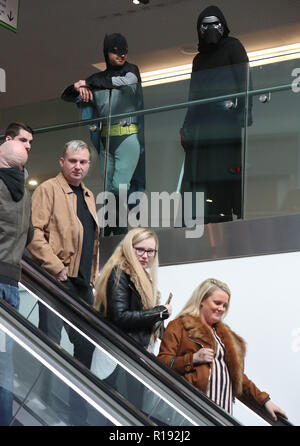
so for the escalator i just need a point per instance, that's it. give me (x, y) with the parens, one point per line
(46, 381)
(52, 388)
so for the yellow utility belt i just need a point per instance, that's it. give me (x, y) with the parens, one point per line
(119, 130)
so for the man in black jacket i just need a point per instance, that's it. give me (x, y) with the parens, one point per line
(211, 133)
(16, 232)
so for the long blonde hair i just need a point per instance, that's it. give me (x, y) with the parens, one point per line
(124, 257)
(202, 292)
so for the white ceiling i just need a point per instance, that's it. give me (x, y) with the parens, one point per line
(59, 40)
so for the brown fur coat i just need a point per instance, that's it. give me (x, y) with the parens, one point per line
(184, 336)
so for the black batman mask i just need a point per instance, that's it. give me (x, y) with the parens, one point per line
(114, 43)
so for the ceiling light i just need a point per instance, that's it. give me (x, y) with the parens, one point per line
(33, 182)
(261, 57)
(271, 52)
(173, 73)
(137, 2)
(274, 55)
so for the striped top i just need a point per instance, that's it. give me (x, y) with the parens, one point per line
(220, 385)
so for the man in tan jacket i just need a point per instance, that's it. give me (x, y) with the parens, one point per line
(66, 238)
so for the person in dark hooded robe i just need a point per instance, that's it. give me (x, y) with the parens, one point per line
(124, 168)
(211, 133)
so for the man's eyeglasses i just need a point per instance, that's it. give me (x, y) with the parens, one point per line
(141, 251)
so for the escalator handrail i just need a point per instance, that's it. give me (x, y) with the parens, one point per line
(260, 411)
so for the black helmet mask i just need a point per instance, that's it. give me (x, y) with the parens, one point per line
(211, 27)
(211, 30)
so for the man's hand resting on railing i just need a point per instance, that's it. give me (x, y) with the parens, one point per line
(83, 90)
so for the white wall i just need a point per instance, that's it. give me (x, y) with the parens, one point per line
(264, 310)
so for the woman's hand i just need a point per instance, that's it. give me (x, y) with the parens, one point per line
(203, 356)
(169, 308)
(273, 408)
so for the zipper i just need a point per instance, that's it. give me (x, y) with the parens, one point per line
(157, 312)
(209, 378)
(152, 314)
(134, 290)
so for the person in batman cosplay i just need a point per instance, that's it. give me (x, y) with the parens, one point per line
(125, 164)
(211, 133)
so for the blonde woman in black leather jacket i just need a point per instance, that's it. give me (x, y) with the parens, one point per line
(127, 296)
(126, 293)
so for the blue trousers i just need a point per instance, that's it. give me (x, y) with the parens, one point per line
(11, 295)
(122, 160)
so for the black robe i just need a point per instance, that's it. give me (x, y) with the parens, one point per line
(211, 133)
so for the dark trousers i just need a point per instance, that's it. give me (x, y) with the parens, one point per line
(52, 325)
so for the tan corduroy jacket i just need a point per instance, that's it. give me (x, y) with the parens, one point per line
(58, 232)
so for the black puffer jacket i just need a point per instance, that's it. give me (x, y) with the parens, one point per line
(124, 309)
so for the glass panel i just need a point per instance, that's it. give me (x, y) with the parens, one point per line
(40, 114)
(30, 308)
(32, 395)
(100, 361)
(271, 184)
(170, 148)
(171, 94)
(46, 113)
(272, 179)
(188, 149)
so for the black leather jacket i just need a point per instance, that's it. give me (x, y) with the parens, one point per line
(124, 309)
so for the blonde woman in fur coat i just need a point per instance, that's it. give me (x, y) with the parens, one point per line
(204, 350)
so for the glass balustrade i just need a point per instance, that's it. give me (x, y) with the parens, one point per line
(235, 138)
(272, 169)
